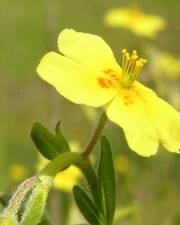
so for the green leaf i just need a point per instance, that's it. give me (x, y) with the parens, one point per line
(86, 206)
(91, 177)
(106, 175)
(48, 144)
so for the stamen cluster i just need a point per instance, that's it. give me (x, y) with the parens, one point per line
(131, 67)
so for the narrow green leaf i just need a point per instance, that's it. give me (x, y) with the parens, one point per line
(107, 183)
(48, 144)
(86, 206)
(91, 177)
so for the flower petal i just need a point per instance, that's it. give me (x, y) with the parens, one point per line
(139, 131)
(73, 81)
(146, 119)
(88, 50)
(165, 118)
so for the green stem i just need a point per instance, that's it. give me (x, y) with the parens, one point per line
(64, 160)
(61, 162)
(96, 135)
(81, 160)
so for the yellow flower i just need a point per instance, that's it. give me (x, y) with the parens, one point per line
(160, 65)
(87, 73)
(64, 180)
(122, 164)
(17, 172)
(141, 24)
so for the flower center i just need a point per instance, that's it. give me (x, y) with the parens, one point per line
(131, 67)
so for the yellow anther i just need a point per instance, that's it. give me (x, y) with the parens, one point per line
(144, 61)
(134, 57)
(127, 56)
(131, 67)
(139, 63)
(134, 52)
(124, 51)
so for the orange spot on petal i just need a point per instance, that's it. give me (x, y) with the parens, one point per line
(110, 81)
(111, 73)
(128, 99)
(139, 95)
(126, 96)
(105, 83)
(128, 102)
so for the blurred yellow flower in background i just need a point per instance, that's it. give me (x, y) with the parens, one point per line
(64, 180)
(87, 73)
(122, 164)
(17, 172)
(166, 64)
(141, 24)
(41, 163)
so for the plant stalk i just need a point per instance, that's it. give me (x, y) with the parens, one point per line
(96, 135)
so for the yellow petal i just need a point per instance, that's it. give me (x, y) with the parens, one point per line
(127, 111)
(87, 49)
(146, 120)
(74, 81)
(165, 118)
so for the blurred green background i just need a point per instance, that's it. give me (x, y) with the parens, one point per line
(29, 29)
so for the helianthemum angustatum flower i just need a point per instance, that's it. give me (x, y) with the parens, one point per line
(87, 73)
(145, 25)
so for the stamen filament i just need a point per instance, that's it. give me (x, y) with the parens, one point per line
(124, 53)
(131, 67)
